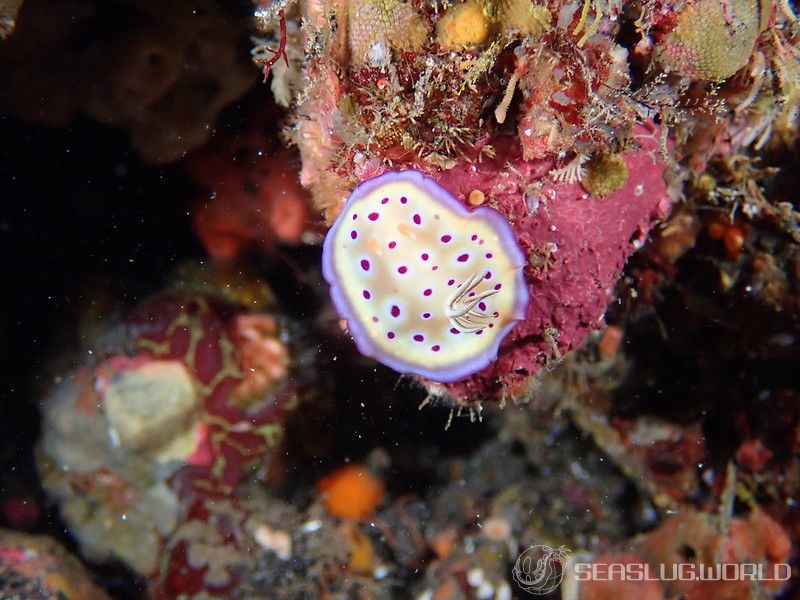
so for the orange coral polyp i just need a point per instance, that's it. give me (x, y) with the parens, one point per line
(351, 492)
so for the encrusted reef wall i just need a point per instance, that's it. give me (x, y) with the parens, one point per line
(578, 121)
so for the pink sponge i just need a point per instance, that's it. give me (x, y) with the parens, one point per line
(576, 244)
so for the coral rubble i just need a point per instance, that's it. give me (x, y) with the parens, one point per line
(184, 400)
(34, 567)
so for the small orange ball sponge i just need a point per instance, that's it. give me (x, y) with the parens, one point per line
(351, 492)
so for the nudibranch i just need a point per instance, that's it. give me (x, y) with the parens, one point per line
(426, 286)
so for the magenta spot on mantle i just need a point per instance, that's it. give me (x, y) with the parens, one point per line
(402, 269)
(395, 310)
(454, 331)
(417, 219)
(435, 348)
(373, 216)
(392, 245)
(426, 315)
(384, 201)
(463, 258)
(451, 281)
(446, 238)
(366, 294)
(365, 264)
(427, 292)
(419, 337)
(424, 256)
(403, 200)
(482, 305)
(498, 286)
(390, 335)
(353, 234)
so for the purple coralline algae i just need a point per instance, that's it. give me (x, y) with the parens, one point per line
(426, 286)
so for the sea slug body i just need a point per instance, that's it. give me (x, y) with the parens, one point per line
(426, 285)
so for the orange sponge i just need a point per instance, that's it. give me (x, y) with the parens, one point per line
(351, 492)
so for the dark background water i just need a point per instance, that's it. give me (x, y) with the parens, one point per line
(80, 217)
(86, 230)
